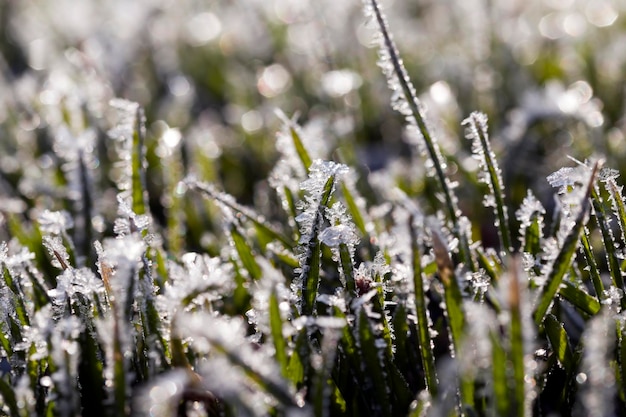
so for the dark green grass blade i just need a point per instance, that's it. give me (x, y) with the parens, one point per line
(375, 376)
(608, 240)
(560, 343)
(423, 326)
(594, 272)
(311, 266)
(564, 259)
(415, 114)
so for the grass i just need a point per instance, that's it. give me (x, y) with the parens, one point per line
(133, 283)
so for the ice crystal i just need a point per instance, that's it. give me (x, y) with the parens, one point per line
(58, 252)
(200, 279)
(55, 222)
(531, 208)
(612, 298)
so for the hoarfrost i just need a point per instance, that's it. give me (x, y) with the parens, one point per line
(55, 222)
(530, 208)
(58, 252)
(612, 298)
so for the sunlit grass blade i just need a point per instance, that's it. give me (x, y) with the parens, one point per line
(228, 201)
(580, 299)
(594, 272)
(310, 274)
(477, 132)
(353, 208)
(303, 154)
(499, 375)
(138, 162)
(563, 260)
(276, 329)
(610, 245)
(245, 253)
(560, 343)
(423, 320)
(406, 102)
(518, 400)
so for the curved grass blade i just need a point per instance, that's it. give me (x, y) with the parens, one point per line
(564, 259)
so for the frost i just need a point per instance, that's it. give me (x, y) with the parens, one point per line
(612, 298)
(530, 208)
(55, 222)
(58, 252)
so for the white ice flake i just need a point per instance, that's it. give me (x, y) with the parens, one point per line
(55, 222)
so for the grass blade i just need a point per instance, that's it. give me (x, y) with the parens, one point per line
(563, 260)
(423, 319)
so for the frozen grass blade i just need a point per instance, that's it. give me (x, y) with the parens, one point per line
(580, 299)
(375, 375)
(562, 263)
(594, 273)
(406, 102)
(423, 319)
(476, 125)
(519, 404)
(608, 240)
(310, 267)
(276, 327)
(560, 343)
(228, 201)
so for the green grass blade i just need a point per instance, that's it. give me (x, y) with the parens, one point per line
(560, 343)
(564, 259)
(410, 107)
(580, 299)
(608, 240)
(138, 165)
(303, 154)
(594, 272)
(245, 253)
(276, 328)
(423, 321)
(227, 201)
(353, 209)
(374, 372)
(517, 344)
(477, 132)
(311, 266)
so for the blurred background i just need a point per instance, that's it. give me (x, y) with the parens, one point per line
(211, 75)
